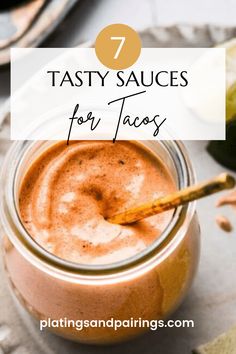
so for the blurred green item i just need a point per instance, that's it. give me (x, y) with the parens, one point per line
(225, 151)
(231, 103)
(224, 344)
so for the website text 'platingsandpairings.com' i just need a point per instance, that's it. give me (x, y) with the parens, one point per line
(80, 325)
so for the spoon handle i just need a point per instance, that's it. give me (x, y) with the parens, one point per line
(173, 200)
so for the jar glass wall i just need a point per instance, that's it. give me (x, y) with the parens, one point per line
(149, 285)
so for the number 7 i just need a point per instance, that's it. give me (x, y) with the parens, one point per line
(122, 41)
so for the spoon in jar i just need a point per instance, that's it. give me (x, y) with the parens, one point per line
(173, 200)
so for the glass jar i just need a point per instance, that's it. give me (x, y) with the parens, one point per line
(150, 285)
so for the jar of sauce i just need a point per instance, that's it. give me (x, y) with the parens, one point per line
(64, 260)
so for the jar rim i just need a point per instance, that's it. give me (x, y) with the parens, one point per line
(11, 218)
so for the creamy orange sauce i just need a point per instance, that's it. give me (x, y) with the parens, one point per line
(69, 191)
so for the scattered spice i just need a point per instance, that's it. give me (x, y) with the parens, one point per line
(224, 223)
(230, 200)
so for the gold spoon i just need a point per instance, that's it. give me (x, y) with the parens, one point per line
(173, 200)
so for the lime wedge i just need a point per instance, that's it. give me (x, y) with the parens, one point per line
(230, 47)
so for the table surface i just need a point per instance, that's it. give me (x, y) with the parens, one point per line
(212, 301)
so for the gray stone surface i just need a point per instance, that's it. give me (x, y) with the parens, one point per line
(211, 303)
